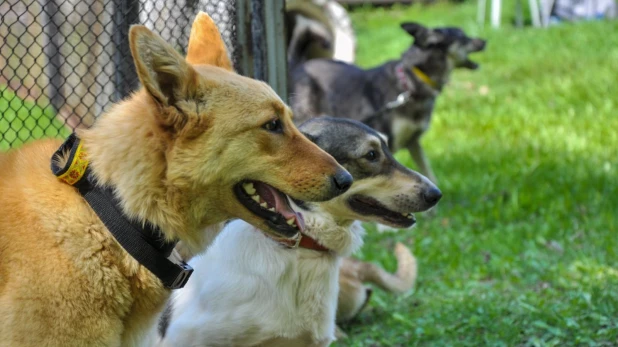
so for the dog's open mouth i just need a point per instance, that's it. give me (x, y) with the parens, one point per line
(471, 64)
(271, 205)
(478, 47)
(369, 206)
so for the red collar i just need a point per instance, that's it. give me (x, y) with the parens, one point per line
(404, 80)
(299, 241)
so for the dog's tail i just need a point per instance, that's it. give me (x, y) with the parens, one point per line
(307, 32)
(401, 281)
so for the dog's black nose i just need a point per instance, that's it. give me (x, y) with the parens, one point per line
(342, 180)
(432, 195)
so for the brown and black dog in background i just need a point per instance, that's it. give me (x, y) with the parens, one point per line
(396, 98)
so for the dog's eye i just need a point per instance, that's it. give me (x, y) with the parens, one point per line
(274, 126)
(371, 155)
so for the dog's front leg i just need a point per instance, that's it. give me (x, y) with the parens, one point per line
(416, 151)
(340, 334)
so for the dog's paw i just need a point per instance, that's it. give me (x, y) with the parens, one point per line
(340, 334)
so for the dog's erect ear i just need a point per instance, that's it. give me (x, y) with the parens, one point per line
(383, 136)
(206, 45)
(422, 36)
(311, 137)
(163, 72)
(413, 28)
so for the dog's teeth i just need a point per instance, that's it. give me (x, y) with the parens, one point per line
(405, 214)
(263, 205)
(410, 216)
(248, 187)
(290, 221)
(256, 198)
(272, 209)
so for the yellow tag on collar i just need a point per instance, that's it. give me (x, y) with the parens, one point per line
(423, 77)
(78, 167)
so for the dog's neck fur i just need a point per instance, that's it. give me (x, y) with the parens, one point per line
(138, 174)
(434, 64)
(437, 71)
(341, 236)
(292, 315)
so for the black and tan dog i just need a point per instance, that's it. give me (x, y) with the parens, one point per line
(251, 290)
(396, 98)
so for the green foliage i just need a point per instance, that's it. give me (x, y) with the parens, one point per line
(22, 121)
(523, 251)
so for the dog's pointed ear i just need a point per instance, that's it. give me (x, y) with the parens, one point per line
(422, 35)
(310, 129)
(206, 45)
(311, 137)
(164, 73)
(383, 136)
(413, 28)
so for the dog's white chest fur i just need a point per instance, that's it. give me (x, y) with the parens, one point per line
(248, 290)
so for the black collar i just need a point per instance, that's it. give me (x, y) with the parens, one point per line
(143, 241)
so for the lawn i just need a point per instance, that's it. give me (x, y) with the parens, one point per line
(523, 251)
(23, 121)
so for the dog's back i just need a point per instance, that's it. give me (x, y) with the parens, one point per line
(25, 181)
(36, 254)
(322, 86)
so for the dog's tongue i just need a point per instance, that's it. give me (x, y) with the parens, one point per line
(277, 199)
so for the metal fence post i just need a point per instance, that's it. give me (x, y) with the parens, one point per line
(259, 43)
(262, 41)
(126, 12)
(244, 54)
(276, 47)
(54, 58)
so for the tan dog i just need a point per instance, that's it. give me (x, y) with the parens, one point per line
(176, 154)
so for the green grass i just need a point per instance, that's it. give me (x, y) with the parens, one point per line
(22, 121)
(524, 250)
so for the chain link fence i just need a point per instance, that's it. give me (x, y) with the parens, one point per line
(63, 62)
